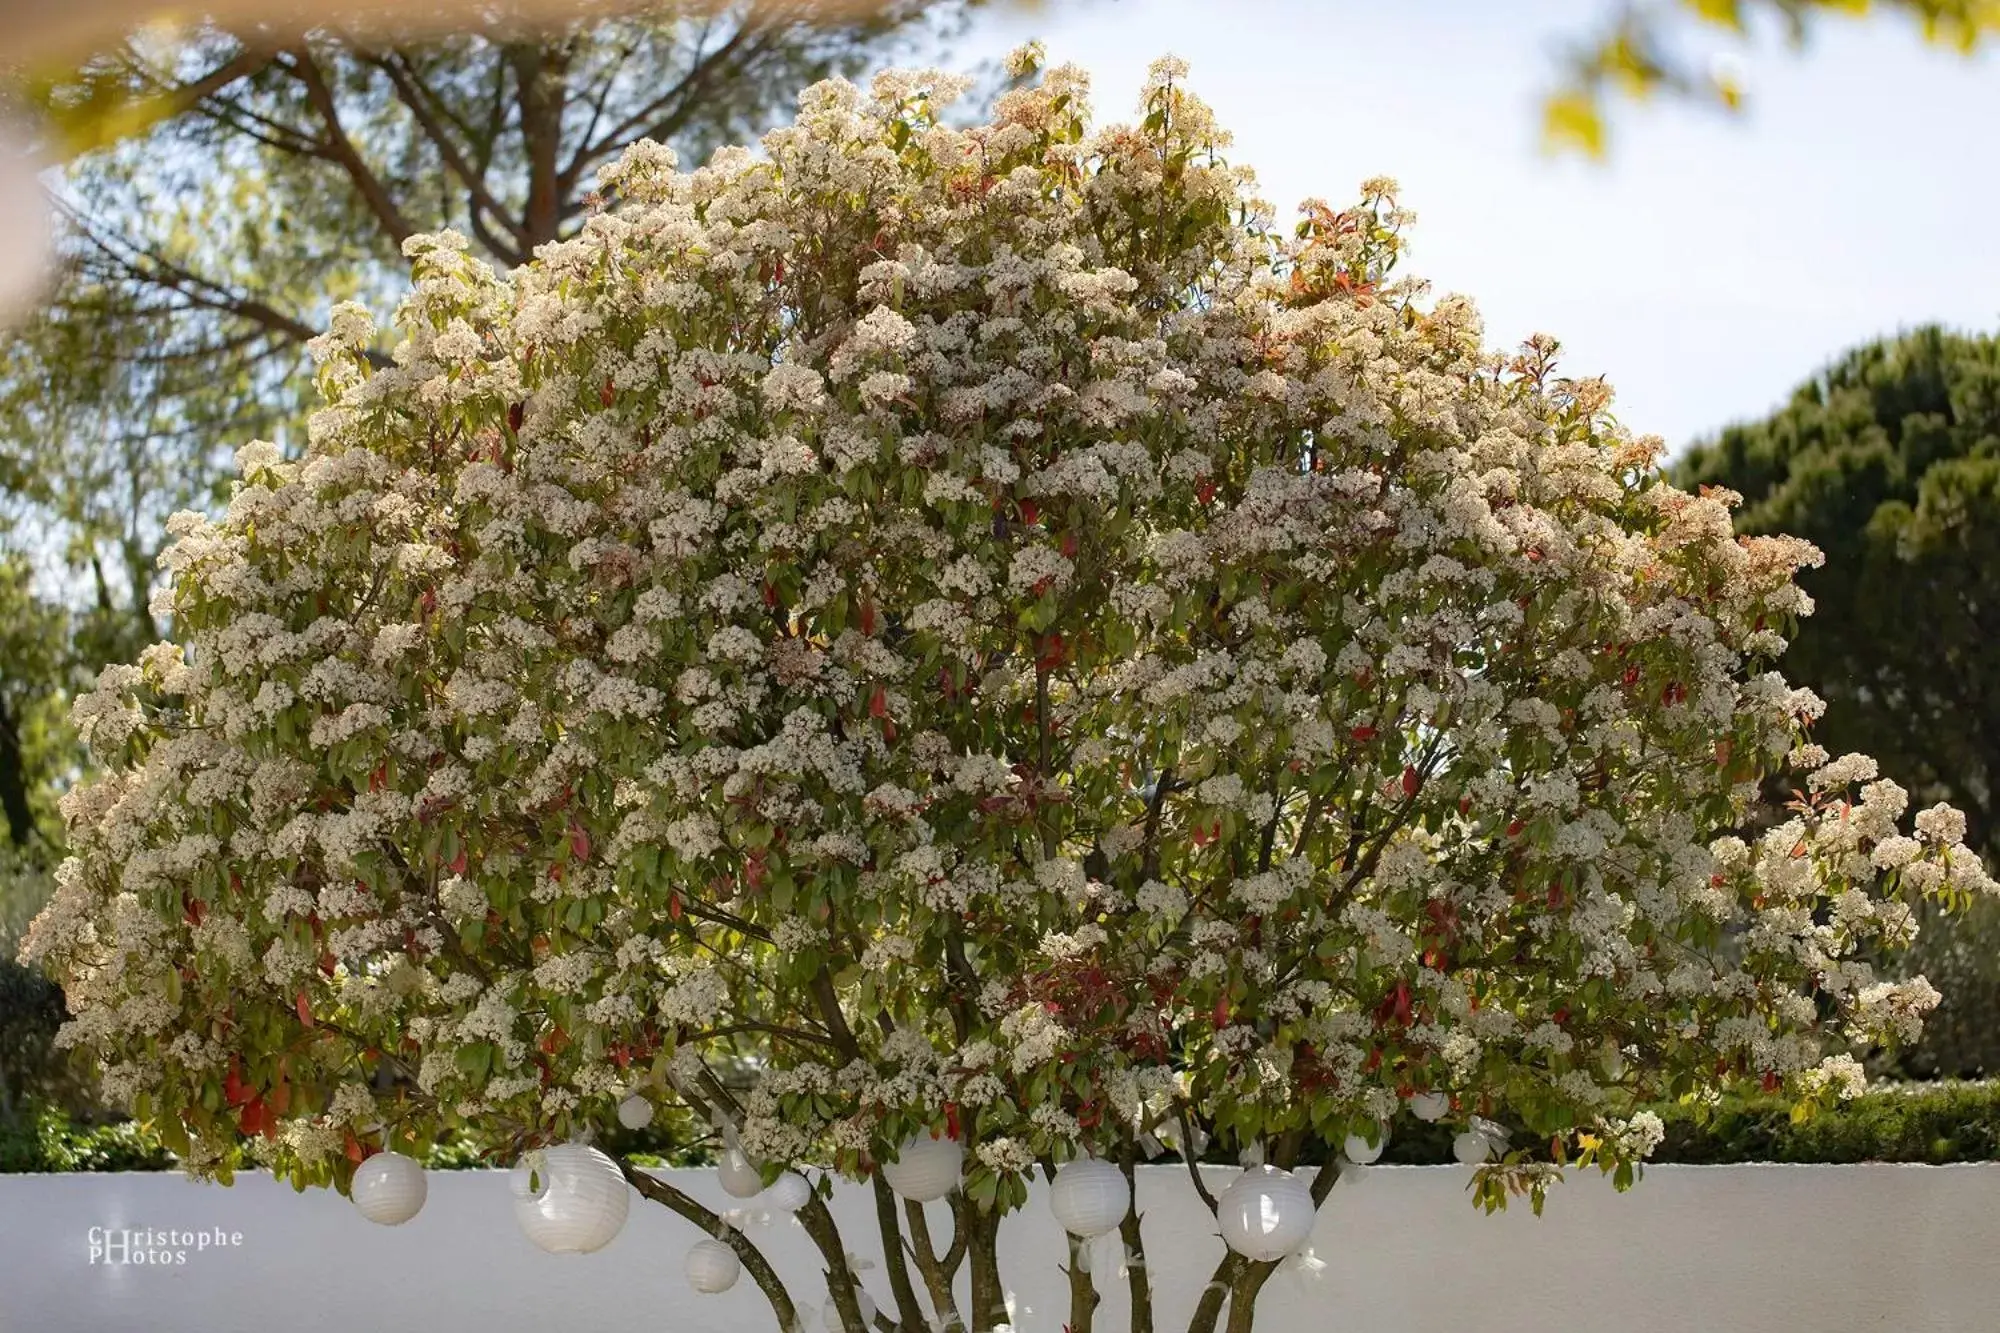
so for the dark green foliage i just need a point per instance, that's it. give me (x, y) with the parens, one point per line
(1906, 1122)
(46, 1139)
(1889, 462)
(1937, 1123)
(31, 1069)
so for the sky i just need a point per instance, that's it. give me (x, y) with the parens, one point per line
(1711, 265)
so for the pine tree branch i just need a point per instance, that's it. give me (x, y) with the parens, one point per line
(341, 150)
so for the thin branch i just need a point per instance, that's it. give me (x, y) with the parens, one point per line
(907, 1307)
(341, 149)
(1192, 1158)
(766, 1277)
(479, 200)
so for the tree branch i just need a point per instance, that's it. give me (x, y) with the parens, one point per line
(480, 202)
(766, 1277)
(341, 150)
(937, 1274)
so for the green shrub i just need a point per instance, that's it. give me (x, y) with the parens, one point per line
(1893, 1122)
(45, 1138)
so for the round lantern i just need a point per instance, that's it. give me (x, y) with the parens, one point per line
(1266, 1214)
(788, 1193)
(1089, 1197)
(389, 1188)
(1360, 1151)
(1430, 1105)
(635, 1112)
(925, 1168)
(712, 1267)
(576, 1202)
(739, 1175)
(1478, 1142)
(829, 1316)
(1471, 1147)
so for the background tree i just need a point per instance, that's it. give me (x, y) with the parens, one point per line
(1889, 461)
(979, 625)
(1635, 54)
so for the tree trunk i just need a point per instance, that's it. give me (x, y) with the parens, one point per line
(989, 1297)
(908, 1310)
(938, 1272)
(14, 780)
(1136, 1279)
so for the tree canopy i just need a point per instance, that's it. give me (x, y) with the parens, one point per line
(275, 178)
(985, 628)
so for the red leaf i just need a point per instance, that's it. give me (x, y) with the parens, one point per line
(1363, 734)
(355, 1152)
(674, 906)
(878, 703)
(457, 866)
(1410, 780)
(1514, 829)
(579, 842)
(196, 910)
(305, 1009)
(1030, 512)
(868, 618)
(1204, 490)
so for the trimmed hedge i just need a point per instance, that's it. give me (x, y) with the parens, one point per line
(45, 1138)
(1899, 1122)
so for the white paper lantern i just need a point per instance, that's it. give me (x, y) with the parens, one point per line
(635, 1112)
(1265, 1214)
(788, 1193)
(580, 1204)
(712, 1267)
(926, 1168)
(1089, 1197)
(1430, 1105)
(829, 1315)
(1360, 1151)
(389, 1188)
(1479, 1141)
(739, 1175)
(1471, 1148)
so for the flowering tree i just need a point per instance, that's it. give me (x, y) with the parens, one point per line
(979, 628)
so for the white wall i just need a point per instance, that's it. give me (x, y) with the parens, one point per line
(1762, 1249)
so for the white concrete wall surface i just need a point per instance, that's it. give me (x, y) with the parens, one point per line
(1756, 1249)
